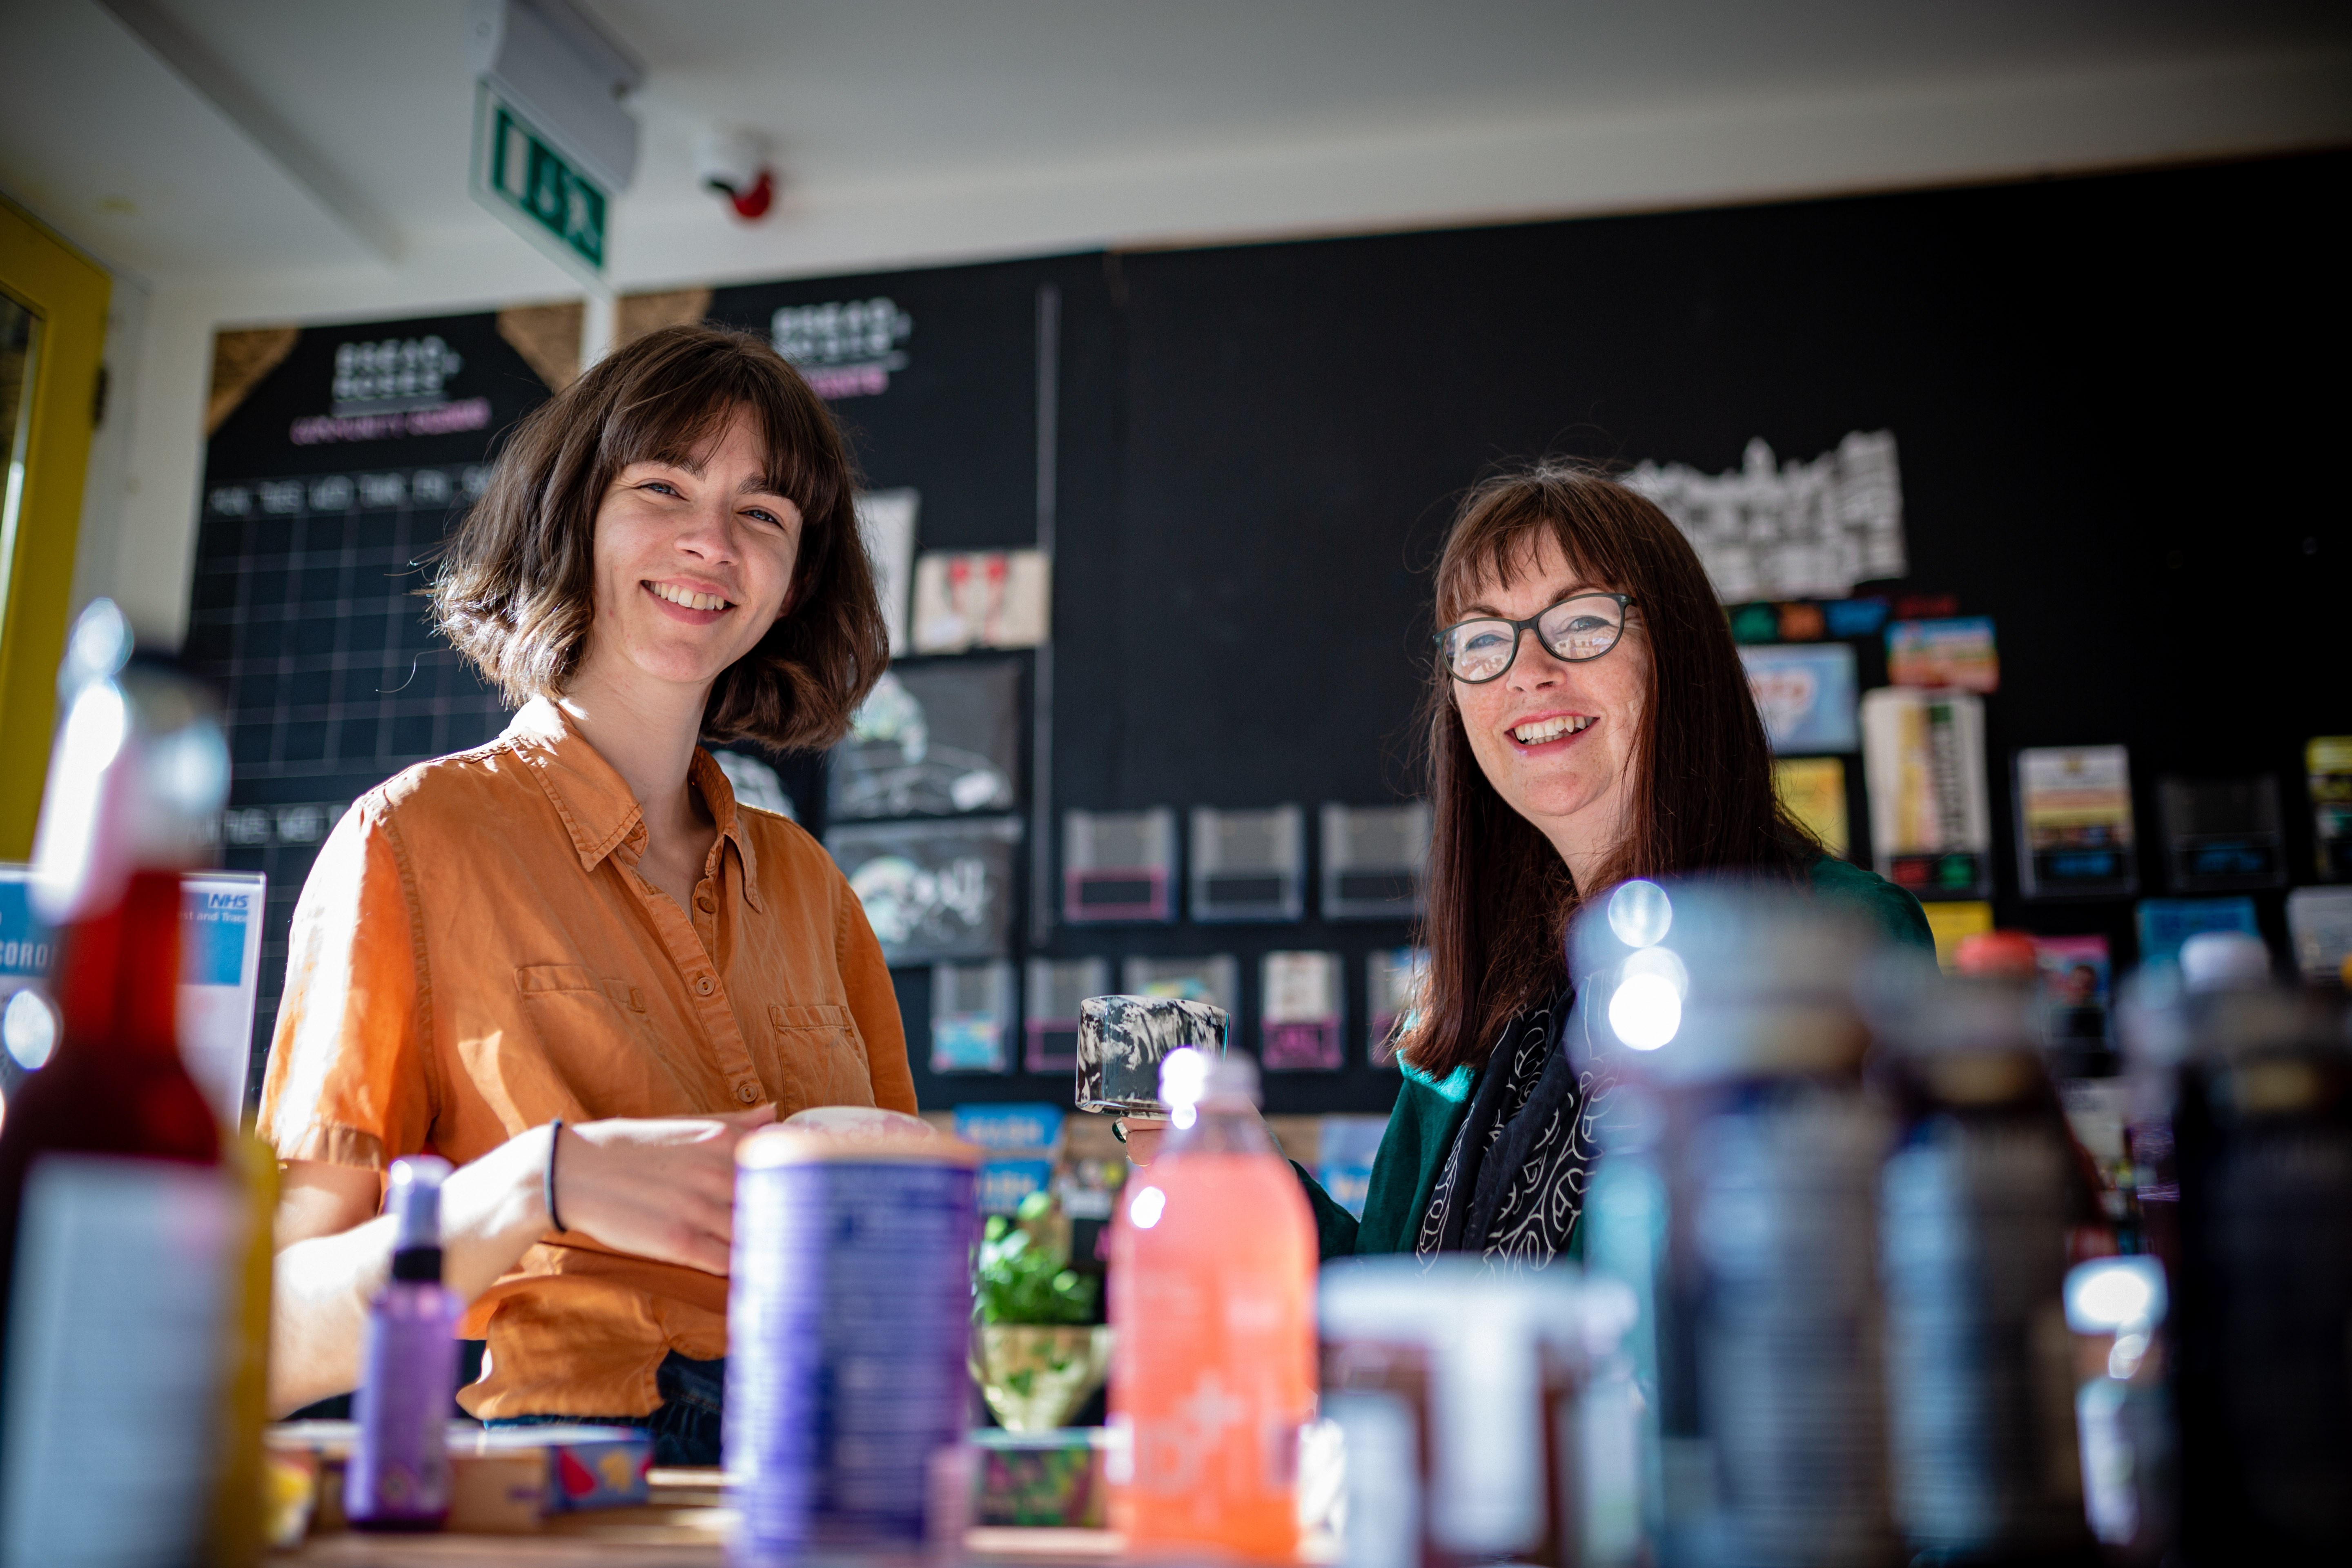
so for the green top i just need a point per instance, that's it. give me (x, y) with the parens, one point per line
(1429, 1111)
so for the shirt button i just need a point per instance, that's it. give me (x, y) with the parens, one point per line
(747, 1092)
(703, 902)
(705, 986)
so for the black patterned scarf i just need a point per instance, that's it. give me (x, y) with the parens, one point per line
(1513, 1182)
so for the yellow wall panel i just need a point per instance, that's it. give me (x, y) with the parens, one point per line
(69, 293)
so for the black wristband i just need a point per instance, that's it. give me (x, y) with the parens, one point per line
(554, 1139)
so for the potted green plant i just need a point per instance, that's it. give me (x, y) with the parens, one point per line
(1040, 1355)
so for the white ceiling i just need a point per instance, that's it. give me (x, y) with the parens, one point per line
(920, 129)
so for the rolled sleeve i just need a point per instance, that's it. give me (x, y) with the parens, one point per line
(350, 1079)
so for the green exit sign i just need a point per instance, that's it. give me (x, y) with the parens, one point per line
(521, 175)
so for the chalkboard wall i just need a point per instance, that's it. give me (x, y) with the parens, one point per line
(2119, 405)
(2115, 398)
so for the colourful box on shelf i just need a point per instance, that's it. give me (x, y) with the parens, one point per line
(1051, 1479)
(588, 1468)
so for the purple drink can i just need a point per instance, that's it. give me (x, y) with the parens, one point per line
(848, 1327)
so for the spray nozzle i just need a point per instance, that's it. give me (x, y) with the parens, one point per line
(414, 1197)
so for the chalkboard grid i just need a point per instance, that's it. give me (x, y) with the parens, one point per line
(306, 619)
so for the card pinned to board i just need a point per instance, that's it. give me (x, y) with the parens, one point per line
(2165, 923)
(2074, 835)
(966, 599)
(886, 519)
(1806, 695)
(1930, 809)
(1956, 654)
(1812, 791)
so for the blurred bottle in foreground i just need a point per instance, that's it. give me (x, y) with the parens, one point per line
(119, 1231)
(2262, 1299)
(399, 1473)
(1213, 1313)
(1979, 1199)
(2122, 1408)
(1737, 1197)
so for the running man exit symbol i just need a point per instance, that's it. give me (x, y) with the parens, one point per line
(521, 175)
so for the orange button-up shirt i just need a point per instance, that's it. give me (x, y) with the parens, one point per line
(476, 953)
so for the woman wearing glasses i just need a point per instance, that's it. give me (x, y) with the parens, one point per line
(1589, 721)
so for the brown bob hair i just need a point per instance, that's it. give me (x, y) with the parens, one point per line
(1500, 896)
(515, 588)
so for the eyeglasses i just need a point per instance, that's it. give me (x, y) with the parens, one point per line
(1580, 628)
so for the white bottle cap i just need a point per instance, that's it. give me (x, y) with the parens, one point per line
(2221, 960)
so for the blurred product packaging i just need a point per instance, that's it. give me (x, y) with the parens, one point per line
(1738, 1197)
(2123, 1407)
(129, 1375)
(1978, 1203)
(2259, 1077)
(1484, 1416)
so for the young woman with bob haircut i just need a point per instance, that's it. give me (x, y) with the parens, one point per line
(569, 962)
(1589, 720)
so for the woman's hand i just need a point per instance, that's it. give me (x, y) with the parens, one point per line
(1142, 1137)
(662, 1188)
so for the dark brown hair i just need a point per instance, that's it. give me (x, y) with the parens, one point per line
(1500, 896)
(515, 590)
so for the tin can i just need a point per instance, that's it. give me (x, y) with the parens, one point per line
(848, 1320)
(1122, 1040)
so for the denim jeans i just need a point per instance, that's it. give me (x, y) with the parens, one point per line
(684, 1426)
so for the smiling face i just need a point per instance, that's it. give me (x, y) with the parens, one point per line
(1557, 740)
(693, 562)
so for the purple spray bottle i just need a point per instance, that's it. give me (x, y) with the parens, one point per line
(399, 1472)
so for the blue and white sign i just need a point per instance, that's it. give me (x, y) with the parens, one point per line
(220, 970)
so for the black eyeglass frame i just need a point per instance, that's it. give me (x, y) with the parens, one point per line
(1624, 603)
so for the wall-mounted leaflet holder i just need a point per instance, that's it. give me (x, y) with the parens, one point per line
(1056, 988)
(1923, 759)
(934, 891)
(1298, 1011)
(972, 1016)
(2074, 823)
(1118, 865)
(1214, 978)
(1373, 861)
(2222, 836)
(1249, 865)
(1392, 978)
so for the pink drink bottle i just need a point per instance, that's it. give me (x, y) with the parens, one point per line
(399, 1474)
(1212, 1296)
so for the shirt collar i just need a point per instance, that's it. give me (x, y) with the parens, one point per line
(593, 800)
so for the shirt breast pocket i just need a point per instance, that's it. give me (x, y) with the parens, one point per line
(823, 1055)
(596, 1039)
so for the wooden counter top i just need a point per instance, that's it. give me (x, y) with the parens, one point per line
(685, 1526)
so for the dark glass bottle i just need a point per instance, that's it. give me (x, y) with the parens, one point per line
(1979, 1199)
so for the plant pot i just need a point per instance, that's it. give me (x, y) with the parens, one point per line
(1034, 1376)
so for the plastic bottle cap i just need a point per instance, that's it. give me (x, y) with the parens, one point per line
(1187, 1076)
(1996, 952)
(2217, 960)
